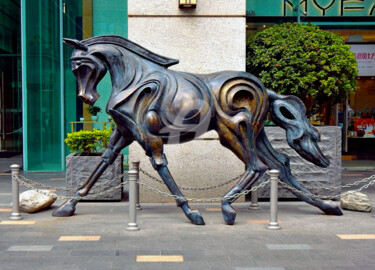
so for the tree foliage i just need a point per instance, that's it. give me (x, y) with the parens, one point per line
(303, 60)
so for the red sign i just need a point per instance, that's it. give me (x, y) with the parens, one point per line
(365, 55)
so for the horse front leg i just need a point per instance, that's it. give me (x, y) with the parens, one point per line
(116, 143)
(159, 163)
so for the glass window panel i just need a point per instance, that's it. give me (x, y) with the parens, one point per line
(43, 85)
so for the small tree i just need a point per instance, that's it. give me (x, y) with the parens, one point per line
(303, 60)
(93, 110)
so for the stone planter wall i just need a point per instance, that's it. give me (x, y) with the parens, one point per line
(309, 175)
(79, 168)
(204, 162)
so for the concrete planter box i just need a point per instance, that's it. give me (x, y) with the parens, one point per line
(205, 162)
(79, 168)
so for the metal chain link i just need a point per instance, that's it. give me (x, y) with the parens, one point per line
(356, 183)
(91, 196)
(203, 200)
(34, 183)
(31, 184)
(323, 197)
(194, 188)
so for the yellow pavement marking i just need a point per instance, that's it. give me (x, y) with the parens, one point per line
(5, 174)
(356, 236)
(352, 174)
(213, 209)
(260, 221)
(17, 222)
(57, 179)
(160, 258)
(5, 210)
(79, 238)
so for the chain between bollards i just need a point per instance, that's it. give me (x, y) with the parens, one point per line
(132, 225)
(274, 177)
(15, 215)
(135, 165)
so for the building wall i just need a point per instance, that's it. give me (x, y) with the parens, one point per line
(207, 39)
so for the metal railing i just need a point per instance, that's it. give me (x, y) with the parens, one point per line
(134, 182)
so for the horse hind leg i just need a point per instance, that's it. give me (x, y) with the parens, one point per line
(245, 150)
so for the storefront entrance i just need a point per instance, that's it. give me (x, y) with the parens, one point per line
(11, 128)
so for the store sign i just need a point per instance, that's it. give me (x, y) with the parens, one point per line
(365, 55)
(318, 8)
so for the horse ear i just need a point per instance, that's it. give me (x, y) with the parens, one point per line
(76, 44)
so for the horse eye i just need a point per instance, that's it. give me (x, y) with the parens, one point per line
(78, 62)
(286, 113)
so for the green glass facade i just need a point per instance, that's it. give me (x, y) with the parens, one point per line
(42, 89)
(48, 85)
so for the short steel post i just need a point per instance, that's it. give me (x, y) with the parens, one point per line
(273, 225)
(15, 215)
(254, 200)
(132, 225)
(136, 168)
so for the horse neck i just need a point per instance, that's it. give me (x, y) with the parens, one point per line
(126, 68)
(121, 66)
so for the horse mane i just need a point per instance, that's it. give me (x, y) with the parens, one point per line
(133, 47)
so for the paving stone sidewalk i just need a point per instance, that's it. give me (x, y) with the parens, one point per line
(95, 237)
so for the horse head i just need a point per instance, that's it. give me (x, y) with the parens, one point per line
(88, 69)
(288, 112)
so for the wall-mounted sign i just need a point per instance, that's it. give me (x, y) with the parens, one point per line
(365, 55)
(319, 8)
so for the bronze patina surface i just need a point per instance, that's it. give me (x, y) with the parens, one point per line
(154, 105)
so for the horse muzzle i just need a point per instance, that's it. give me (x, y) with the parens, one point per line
(88, 99)
(310, 150)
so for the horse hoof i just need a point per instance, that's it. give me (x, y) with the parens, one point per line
(65, 210)
(330, 208)
(195, 217)
(229, 214)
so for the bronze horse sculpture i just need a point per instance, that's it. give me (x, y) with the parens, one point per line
(154, 105)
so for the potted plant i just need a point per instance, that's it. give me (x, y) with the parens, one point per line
(86, 147)
(94, 110)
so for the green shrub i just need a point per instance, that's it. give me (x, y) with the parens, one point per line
(88, 141)
(303, 60)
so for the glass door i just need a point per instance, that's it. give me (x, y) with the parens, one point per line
(10, 79)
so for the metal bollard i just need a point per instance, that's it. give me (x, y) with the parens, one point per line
(136, 168)
(254, 200)
(132, 225)
(15, 215)
(273, 225)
